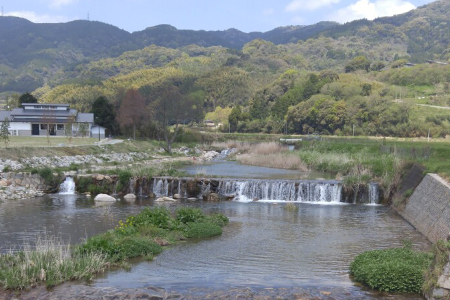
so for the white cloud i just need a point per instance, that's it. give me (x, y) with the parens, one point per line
(297, 5)
(59, 3)
(268, 12)
(33, 17)
(367, 9)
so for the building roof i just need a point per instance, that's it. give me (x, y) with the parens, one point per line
(46, 104)
(85, 118)
(5, 114)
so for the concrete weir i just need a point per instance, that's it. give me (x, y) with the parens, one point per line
(428, 208)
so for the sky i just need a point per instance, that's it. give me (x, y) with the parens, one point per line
(245, 15)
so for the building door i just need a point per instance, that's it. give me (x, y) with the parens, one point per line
(52, 129)
(34, 129)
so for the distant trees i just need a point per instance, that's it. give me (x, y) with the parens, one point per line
(234, 117)
(358, 63)
(27, 98)
(173, 106)
(132, 111)
(104, 114)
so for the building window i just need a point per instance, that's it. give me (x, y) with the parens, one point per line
(43, 126)
(60, 127)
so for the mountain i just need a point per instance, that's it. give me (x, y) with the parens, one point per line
(33, 55)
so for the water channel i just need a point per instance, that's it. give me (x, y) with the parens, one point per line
(264, 245)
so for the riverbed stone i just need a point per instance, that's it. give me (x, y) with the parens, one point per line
(163, 199)
(177, 196)
(104, 198)
(129, 197)
(213, 197)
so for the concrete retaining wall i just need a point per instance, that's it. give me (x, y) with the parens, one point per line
(428, 209)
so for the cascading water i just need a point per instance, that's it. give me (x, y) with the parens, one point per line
(308, 191)
(282, 191)
(67, 187)
(373, 193)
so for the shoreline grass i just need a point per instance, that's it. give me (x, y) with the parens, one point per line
(141, 236)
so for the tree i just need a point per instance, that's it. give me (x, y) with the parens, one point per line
(132, 110)
(68, 128)
(4, 132)
(171, 109)
(358, 63)
(27, 98)
(104, 114)
(49, 122)
(83, 129)
(234, 117)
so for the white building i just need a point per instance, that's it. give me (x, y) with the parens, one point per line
(36, 119)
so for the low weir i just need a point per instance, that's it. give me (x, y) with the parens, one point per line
(246, 190)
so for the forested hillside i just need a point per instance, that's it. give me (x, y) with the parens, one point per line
(352, 77)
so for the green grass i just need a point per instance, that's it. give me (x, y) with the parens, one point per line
(140, 236)
(391, 270)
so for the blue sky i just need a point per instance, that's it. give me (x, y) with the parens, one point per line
(245, 15)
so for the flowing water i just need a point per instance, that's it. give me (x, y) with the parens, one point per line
(264, 246)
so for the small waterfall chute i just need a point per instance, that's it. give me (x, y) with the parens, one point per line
(67, 187)
(374, 193)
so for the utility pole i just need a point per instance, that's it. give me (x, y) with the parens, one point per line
(2, 12)
(88, 16)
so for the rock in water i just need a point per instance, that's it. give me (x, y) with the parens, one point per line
(129, 197)
(104, 198)
(177, 196)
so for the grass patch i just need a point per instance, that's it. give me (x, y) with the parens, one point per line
(142, 235)
(391, 270)
(50, 263)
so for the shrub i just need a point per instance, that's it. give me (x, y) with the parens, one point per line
(82, 184)
(391, 270)
(97, 189)
(124, 177)
(218, 219)
(47, 174)
(159, 217)
(202, 230)
(188, 215)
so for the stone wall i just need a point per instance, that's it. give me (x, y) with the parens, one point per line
(428, 209)
(21, 185)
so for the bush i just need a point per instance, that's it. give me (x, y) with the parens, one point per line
(187, 215)
(159, 217)
(202, 230)
(47, 174)
(82, 184)
(97, 189)
(124, 177)
(218, 219)
(391, 270)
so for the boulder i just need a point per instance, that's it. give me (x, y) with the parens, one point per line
(213, 197)
(104, 198)
(164, 199)
(129, 197)
(177, 196)
(100, 177)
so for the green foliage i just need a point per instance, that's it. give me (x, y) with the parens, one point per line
(83, 184)
(218, 219)
(187, 215)
(47, 174)
(4, 132)
(234, 118)
(104, 114)
(391, 270)
(159, 217)
(358, 63)
(202, 230)
(95, 189)
(27, 98)
(124, 178)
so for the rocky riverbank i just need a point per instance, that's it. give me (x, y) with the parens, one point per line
(76, 292)
(15, 186)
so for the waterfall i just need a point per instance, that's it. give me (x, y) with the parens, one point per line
(161, 187)
(67, 187)
(272, 190)
(246, 190)
(373, 193)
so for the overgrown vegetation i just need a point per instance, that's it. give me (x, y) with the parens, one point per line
(441, 254)
(142, 235)
(392, 270)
